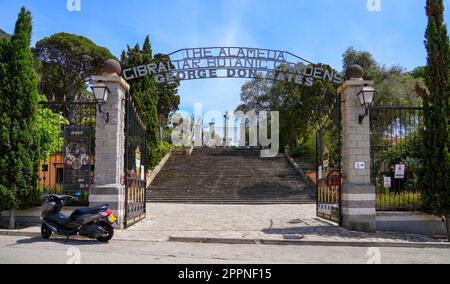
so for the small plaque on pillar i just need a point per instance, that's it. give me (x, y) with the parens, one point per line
(360, 166)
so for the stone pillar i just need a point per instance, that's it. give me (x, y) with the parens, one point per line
(358, 194)
(110, 147)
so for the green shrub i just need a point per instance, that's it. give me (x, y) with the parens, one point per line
(164, 148)
(306, 149)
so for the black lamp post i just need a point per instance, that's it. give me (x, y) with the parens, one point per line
(366, 98)
(101, 93)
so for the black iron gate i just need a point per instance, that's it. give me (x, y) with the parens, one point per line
(135, 163)
(395, 155)
(328, 166)
(69, 142)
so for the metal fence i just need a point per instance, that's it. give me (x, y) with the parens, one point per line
(395, 142)
(328, 166)
(69, 140)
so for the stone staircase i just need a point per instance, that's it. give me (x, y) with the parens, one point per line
(229, 176)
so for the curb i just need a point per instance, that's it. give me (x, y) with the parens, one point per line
(9, 233)
(14, 233)
(308, 243)
(231, 241)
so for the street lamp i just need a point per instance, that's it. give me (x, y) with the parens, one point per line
(366, 98)
(101, 93)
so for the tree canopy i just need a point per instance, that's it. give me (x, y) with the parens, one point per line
(301, 108)
(66, 63)
(364, 59)
(394, 85)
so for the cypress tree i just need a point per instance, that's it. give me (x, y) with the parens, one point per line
(435, 177)
(19, 96)
(145, 97)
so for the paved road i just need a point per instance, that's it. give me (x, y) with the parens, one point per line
(35, 250)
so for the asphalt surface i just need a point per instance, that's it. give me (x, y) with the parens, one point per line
(35, 250)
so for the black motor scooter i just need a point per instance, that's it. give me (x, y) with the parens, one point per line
(94, 223)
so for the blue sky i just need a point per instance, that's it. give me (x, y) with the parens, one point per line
(318, 30)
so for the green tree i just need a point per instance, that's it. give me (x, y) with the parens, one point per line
(168, 98)
(49, 126)
(254, 94)
(419, 72)
(302, 108)
(364, 59)
(4, 34)
(436, 140)
(19, 142)
(395, 86)
(145, 97)
(66, 63)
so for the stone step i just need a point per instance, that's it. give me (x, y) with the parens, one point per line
(230, 192)
(229, 176)
(231, 202)
(195, 196)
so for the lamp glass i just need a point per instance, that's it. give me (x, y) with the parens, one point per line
(366, 96)
(101, 93)
(369, 93)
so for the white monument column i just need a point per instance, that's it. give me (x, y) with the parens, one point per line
(110, 143)
(226, 130)
(358, 194)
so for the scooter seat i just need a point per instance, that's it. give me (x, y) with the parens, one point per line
(86, 211)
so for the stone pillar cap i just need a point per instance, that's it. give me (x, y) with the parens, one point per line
(354, 83)
(111, 78)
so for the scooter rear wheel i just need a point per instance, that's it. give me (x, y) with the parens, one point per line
(110, 233)
(46, 232)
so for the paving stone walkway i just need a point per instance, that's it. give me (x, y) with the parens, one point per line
(270, 224)
(251, 222)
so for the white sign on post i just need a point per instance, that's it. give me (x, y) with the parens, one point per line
(387, 182)
(400, 171)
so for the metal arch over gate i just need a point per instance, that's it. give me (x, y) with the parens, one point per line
(244, 63)
(234, 62)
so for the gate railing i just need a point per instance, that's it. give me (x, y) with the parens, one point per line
(135, 163)
(395, 141)
(328, 166)
(135, 201)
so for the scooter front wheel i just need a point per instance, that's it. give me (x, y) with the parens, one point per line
(46, 232)
(110, 232)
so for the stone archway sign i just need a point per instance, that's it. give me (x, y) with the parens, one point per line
(234, 62)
